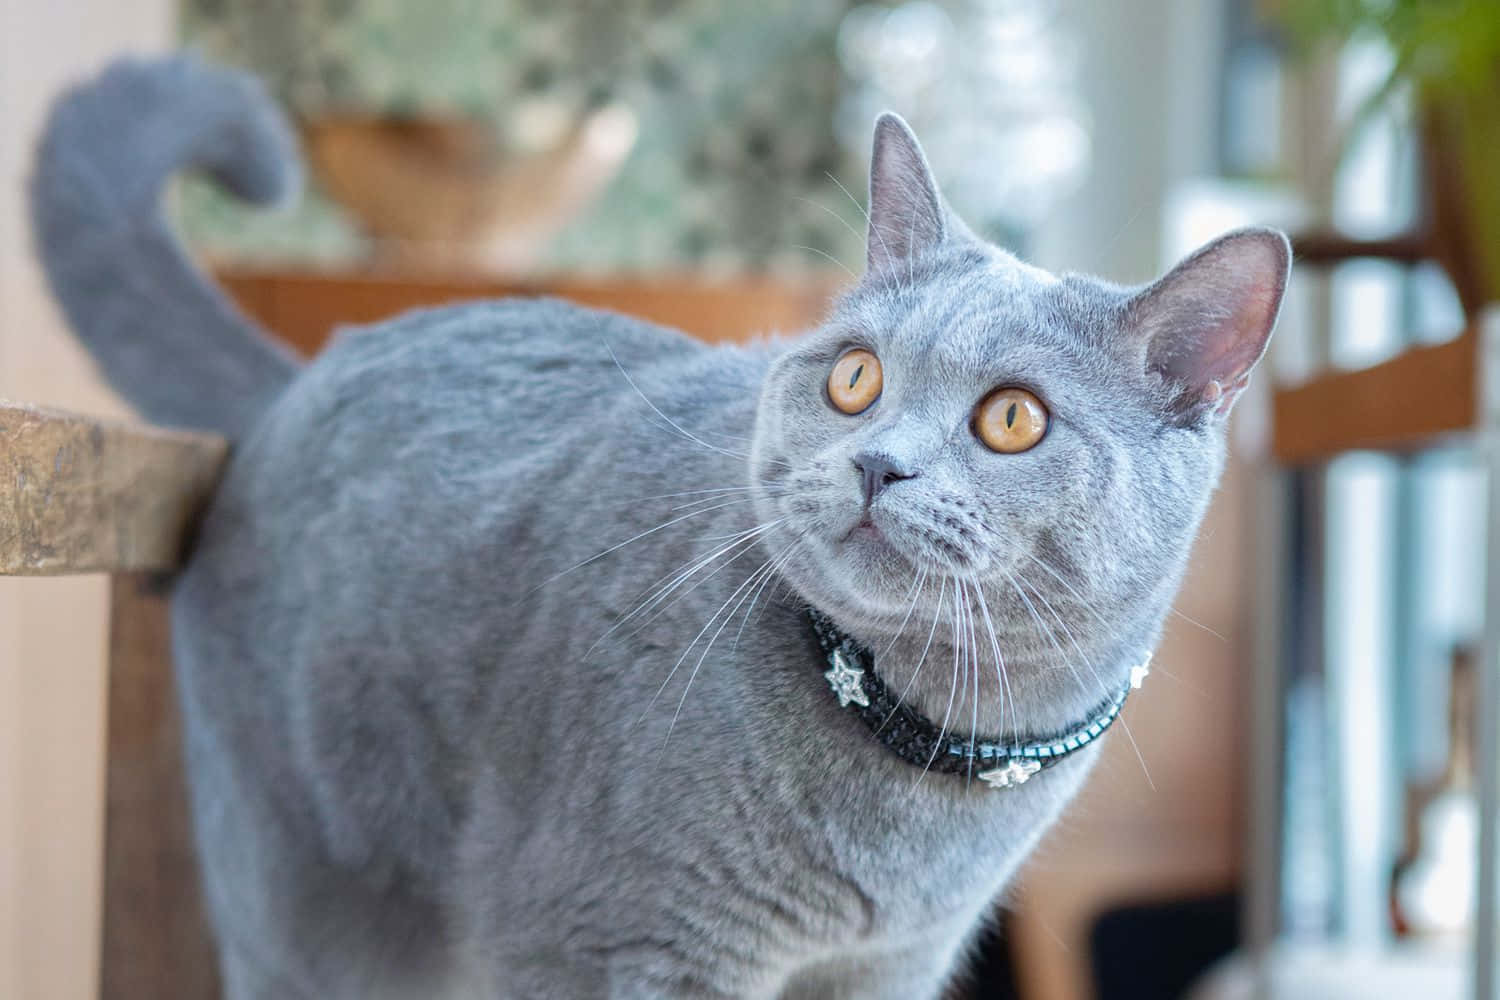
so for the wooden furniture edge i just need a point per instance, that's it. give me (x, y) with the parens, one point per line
(81, 494)
(1326, 248)
(156, 940)
(1406, 402)
(304, 306)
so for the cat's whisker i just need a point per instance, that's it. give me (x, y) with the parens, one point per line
(715, 538)
(743, 587)
(962, 649)
(911, 236)
(1067, 633)
(1139, 756)
(1002, 676)
(826, 256)
(662, 422)
(1000, 680)
(778, 581)
(958, 645)
(1010, 708)
(1020, 586)
(1104, 690)
(620, 545)
(973, 669)
(842, 221)
(747, 587)
(1087, 662)
(869, 223)
(781, 560)
(1082, 603)
(671, 673)
(701, 501)
(706, 495)
(669, 605)
(725, 434)
(1193, 621)
(1196, 690)
(916, 587)
(744, 540)
(727, 503)
(750, 609)
(781, 583)
(688, 493)
(1072, 640)
(657, 410)
(779, 588)
(936, 616)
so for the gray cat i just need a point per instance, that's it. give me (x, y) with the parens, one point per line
(533, 651)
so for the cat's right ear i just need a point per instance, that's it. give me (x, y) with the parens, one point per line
(906, 211)
(1206, 324)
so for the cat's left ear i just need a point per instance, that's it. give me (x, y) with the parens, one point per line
(1206, 323)
(906, 211)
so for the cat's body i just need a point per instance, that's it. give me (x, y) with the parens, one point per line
(505, 776)
(437, 745)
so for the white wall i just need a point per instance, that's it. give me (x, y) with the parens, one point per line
(52, 631)
(1147, 72)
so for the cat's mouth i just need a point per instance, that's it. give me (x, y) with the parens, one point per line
(879, 538)
(864, 529)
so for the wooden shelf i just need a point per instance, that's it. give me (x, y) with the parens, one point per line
(303, 307)
(1325, 249)
(1407, 402)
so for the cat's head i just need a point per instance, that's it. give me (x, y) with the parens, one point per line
(1052, 442)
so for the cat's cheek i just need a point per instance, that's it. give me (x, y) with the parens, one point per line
(803, 506)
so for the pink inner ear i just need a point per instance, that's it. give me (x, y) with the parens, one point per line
(1206, 323)
(1230, 353)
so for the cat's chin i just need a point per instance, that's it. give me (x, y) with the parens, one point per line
(870, 555)
(881, 552)
(855, 576)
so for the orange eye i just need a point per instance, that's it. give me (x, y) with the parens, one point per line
(1010, 420)
(855, 381)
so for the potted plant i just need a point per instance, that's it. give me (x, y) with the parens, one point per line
(1447, 56)
(420, 122)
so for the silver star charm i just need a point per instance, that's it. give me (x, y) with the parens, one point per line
(1139, 674)
(846, 680)
(1015, 772)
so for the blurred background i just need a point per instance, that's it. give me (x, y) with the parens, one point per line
(1296, 809)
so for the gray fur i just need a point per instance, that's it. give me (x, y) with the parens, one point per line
(426, 755)
(171, 343)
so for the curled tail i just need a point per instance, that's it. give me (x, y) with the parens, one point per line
(166, 338)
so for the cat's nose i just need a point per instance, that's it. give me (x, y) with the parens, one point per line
(878, 472)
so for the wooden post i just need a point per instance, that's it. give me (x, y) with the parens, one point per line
(156, 941)
(79, 495)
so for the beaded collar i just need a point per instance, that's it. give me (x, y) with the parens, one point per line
(915, 739)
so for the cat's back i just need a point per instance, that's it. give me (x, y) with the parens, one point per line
(489, 358)
(490, 424)
(484, 384)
